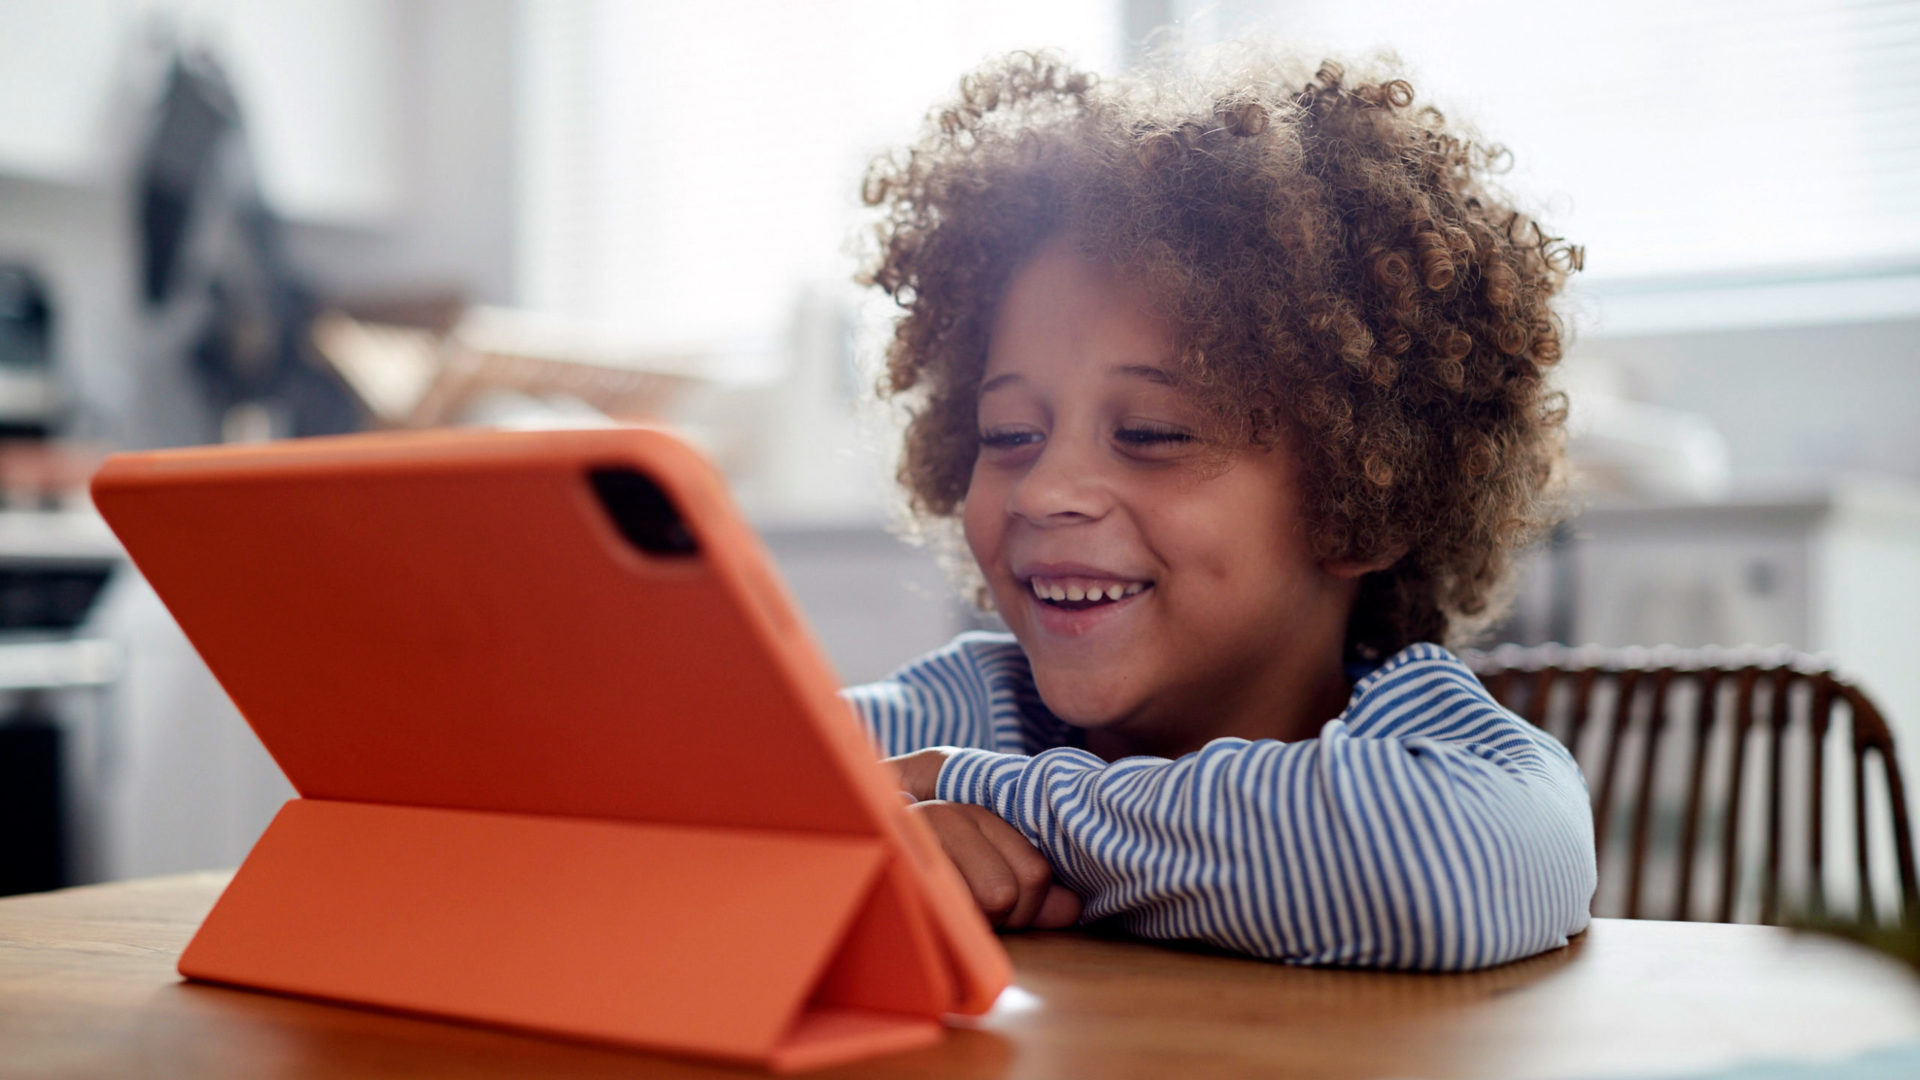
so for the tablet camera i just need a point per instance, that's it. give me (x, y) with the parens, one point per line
(643, 513)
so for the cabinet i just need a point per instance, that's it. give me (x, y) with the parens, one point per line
(1834, 571)
(55, 731)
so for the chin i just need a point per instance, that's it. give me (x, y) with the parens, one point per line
(1080, 701)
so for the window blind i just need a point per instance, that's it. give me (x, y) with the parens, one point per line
(1679, 140)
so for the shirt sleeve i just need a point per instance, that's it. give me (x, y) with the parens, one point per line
(1428, 829)
(947, 698)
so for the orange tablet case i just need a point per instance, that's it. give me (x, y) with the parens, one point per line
(547, 779)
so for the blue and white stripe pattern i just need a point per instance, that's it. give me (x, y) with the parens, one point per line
(1426, 828)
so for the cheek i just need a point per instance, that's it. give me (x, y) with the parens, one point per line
(1245, 536)
(981, 520)
(1214, 538)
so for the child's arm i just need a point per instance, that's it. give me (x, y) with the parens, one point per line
(1428, 829)
(958, 695)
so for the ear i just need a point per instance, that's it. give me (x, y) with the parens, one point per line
(1349, 569)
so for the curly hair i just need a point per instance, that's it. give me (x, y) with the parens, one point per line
(1339, 272)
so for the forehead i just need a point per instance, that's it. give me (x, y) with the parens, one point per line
(1065, 314)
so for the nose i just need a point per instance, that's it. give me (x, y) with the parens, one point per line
(1062, 485)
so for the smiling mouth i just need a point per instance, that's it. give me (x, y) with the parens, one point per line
(1083, 594)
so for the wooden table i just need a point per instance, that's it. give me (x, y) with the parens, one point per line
(87, 988)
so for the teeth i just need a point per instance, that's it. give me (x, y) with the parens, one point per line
(1046, 590)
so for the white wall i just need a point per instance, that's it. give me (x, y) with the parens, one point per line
(454, 227)
(1795, 403)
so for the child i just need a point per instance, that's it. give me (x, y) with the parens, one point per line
(1237, 391)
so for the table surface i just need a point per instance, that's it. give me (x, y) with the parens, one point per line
(88, 988)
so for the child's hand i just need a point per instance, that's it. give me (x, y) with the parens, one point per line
(917, 771)
(1010, 880)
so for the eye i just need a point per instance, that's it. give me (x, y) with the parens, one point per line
(1007, 438)
(1141, 435)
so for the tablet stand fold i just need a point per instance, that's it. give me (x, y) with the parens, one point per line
(786, 950)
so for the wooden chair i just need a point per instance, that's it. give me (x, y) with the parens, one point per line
(1704, 758)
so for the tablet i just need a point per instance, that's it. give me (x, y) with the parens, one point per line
(567, 756)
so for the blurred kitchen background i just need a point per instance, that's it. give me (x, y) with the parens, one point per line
(259, 218)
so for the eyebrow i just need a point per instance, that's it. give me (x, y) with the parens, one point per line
(1147, 372)
(1137, 371)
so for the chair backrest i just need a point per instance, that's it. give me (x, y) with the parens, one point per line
(1715, 763)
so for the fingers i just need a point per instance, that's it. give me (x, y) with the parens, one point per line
(1059, 910)
(917, 773)
(897, 766)
(1011, 881)
(1032, 873)
(995, 890)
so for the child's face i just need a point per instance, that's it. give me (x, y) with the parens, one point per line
(1090, 481)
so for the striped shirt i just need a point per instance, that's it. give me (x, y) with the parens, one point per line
(1426, 828)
